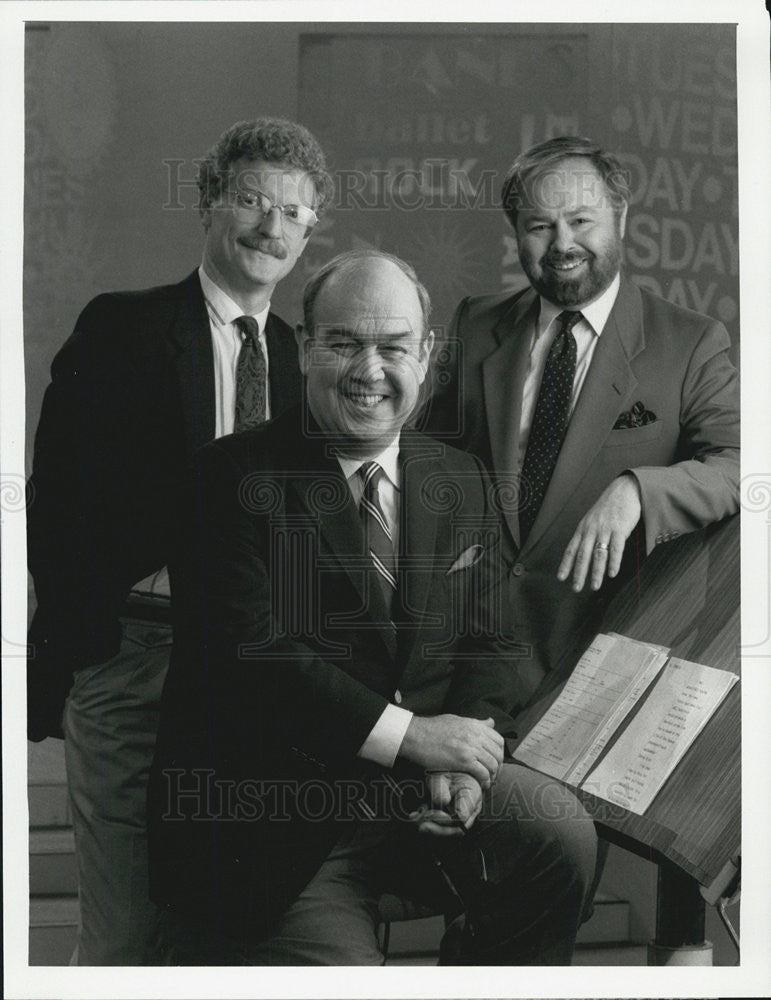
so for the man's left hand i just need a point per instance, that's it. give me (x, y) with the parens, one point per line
(455, 801)
(599, 539)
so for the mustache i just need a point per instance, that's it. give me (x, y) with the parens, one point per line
(565, 258)
(273, 247)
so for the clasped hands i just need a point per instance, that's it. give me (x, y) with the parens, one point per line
(461, 758)
(454, 802)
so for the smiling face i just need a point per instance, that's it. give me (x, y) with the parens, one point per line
(569, 233)
(247, 259)
(365, 358)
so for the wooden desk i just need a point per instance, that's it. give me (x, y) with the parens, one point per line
(686, 596)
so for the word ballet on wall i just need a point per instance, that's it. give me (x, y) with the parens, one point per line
(423, 127)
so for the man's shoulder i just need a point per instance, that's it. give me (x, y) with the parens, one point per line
(144, 313)
(417, 446)
(117, 326)
(659, 313)
(488, 309)
(144, 302)
(277, 445)
(670, 330)
(142, 309)
(286, 444)
(276, 325)
(449, 481)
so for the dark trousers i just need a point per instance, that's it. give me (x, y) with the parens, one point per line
(518, 883)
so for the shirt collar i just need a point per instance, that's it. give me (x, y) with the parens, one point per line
(225, 309)
(388, 460)
(596, 313)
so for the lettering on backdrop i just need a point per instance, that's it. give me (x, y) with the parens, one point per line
(68, 129)
(424, 128)
(430, 124)
(678, 129)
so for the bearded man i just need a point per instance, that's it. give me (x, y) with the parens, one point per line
(608, 416)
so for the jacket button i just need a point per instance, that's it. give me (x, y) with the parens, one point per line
(398, 696)
(517, 569)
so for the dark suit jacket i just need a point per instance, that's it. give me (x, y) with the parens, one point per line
(675, 362)
(284, 660)
(130, 401)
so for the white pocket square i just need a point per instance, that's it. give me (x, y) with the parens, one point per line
(467, 558)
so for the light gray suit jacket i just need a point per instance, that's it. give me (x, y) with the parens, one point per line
(672, 360)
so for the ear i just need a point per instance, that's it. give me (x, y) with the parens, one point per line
(426, 346)
(302, 340)
(622, 220)
(205, 213)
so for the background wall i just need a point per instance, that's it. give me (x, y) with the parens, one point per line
(420, 123)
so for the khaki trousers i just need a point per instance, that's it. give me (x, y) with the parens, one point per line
(110, 724)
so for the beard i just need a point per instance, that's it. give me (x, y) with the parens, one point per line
(567, 289)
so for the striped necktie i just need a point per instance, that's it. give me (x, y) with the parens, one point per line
(550, 421)
(251, 373)
(377, 533)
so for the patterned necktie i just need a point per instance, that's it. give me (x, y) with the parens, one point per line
(250, 376)
(378, 535)
(550, 421)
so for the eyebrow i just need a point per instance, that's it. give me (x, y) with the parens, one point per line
(246, 189)
(540, 213)
(342, 331)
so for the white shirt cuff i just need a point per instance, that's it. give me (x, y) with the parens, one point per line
(382, 744)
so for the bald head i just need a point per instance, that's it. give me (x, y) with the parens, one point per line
(364, 349)
(357, 266)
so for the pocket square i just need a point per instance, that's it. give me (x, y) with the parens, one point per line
(638, 416)
(467, 558)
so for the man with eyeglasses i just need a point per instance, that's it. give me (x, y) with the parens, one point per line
(146, 378)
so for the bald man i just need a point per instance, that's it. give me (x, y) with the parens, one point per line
(334, 718)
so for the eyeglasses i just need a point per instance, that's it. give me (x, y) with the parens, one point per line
(252, 206)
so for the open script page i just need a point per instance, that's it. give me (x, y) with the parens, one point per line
(646, 753)
(606, 683)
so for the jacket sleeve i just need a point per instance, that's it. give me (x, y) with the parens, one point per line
(83, 498)
(703, 486)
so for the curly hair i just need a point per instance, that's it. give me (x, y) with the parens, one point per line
(274, 140)
(534, 161)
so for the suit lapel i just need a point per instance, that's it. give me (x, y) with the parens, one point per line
(193, 361)
(190, 336)
(283, 370)
(422, 476)
(608, 383)
(503, 375)
(325, 496)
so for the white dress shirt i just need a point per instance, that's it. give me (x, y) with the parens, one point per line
(382, 744)
(587, 334)
(226, 341)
